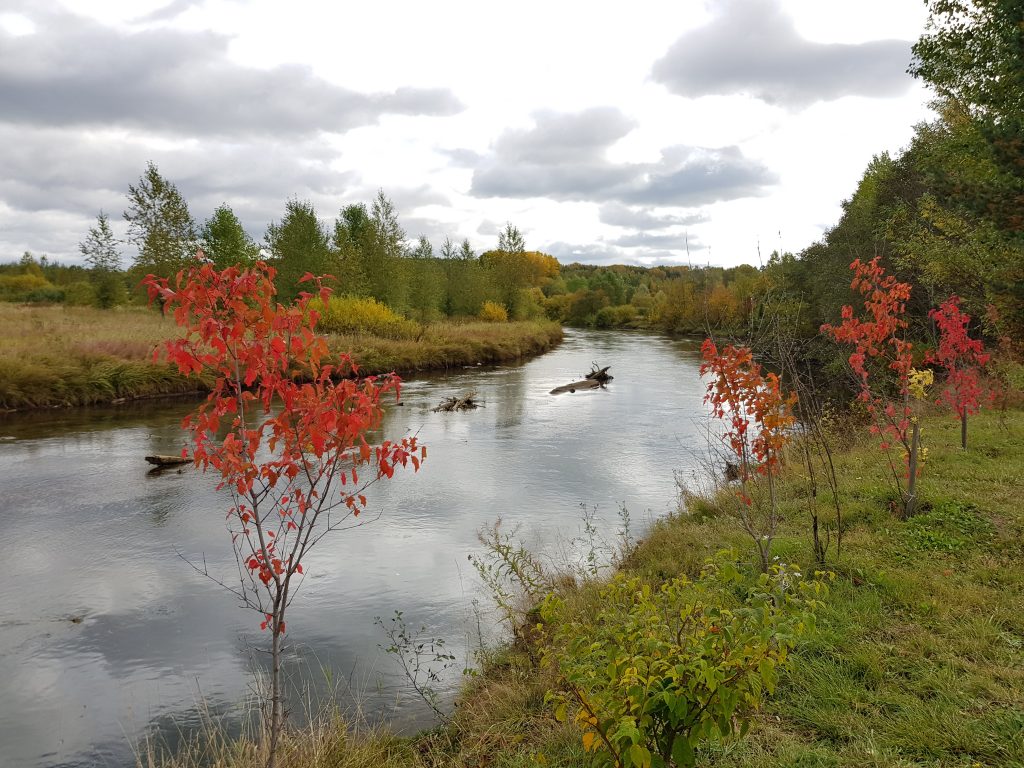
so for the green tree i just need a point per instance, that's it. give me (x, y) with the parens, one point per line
(426, 288)
(225, 242)
(160, 225)
(297, 245)
(101, 253)
(382, 260)
(972, 55)
(468, 287)
(509, 269)
(351, 240)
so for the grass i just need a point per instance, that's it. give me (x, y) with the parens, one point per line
(450, 345)
(59, 355)
(918, 658)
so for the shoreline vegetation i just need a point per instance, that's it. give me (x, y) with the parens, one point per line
(60, 356)
(917, 657)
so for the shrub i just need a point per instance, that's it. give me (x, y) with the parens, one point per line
(80, 294)
(615, 317)
(661, 669)
(21, 287)
(352, 314)
(492, 312)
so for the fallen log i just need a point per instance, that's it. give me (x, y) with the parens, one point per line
(466, 403)
(572, 386)
(164, 460)
(597, 377)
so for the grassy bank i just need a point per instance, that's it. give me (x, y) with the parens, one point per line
(917, 660)
(59, 355)
(450, 345)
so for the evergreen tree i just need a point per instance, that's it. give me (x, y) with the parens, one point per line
(160, 225)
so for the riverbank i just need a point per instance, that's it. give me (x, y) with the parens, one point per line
(54, 356)
(918, 656)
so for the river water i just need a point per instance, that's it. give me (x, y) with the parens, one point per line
(106, 633)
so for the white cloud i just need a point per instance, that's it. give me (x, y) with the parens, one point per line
(552, 121)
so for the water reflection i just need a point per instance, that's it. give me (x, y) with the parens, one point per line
(90, 536)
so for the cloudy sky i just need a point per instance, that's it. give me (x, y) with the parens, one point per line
(671, 132)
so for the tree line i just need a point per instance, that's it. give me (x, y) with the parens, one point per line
(365, 252)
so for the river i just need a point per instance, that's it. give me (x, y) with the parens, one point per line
(106, 633)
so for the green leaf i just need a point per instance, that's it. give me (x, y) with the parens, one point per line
(682, 751)
(640, 756)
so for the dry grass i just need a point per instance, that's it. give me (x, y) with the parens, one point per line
(60, 355)
(450, 345)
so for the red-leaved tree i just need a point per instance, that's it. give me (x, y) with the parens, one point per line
(882, 364)
(285, 429)
(758, 423)
(962, 358)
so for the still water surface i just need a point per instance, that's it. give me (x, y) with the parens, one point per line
(106, 633)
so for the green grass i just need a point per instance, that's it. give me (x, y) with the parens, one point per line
(917, 660)
(59, 355)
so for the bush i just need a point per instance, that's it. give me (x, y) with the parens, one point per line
(22, 287)
(661, 669)
(615, 317)
(80, 294)
(49, 295)
(351, 314)
(492, 312)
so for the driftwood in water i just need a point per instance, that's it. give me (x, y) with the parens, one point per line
(599, 374)
(572, 386)
(466, 403)
(597, 378)
(163, 460)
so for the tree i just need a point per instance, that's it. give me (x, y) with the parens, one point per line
(351, 239)
(160, 225)
(962, 357)
(425, 281)
(225, 242)
(973, 55)
(759, 421)
(386, 248)
(100, 251)
(882, 362)
(285, 429)
(508, 268)
(298, 245)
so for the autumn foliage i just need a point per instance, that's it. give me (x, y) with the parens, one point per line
(285, 428)
(882, 362)
(962, 358)
(758, 421)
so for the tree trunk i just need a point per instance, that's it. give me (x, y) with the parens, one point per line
(276, 703)
(963, 430)
(915, 448)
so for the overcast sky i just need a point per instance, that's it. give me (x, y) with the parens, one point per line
(653, 133)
